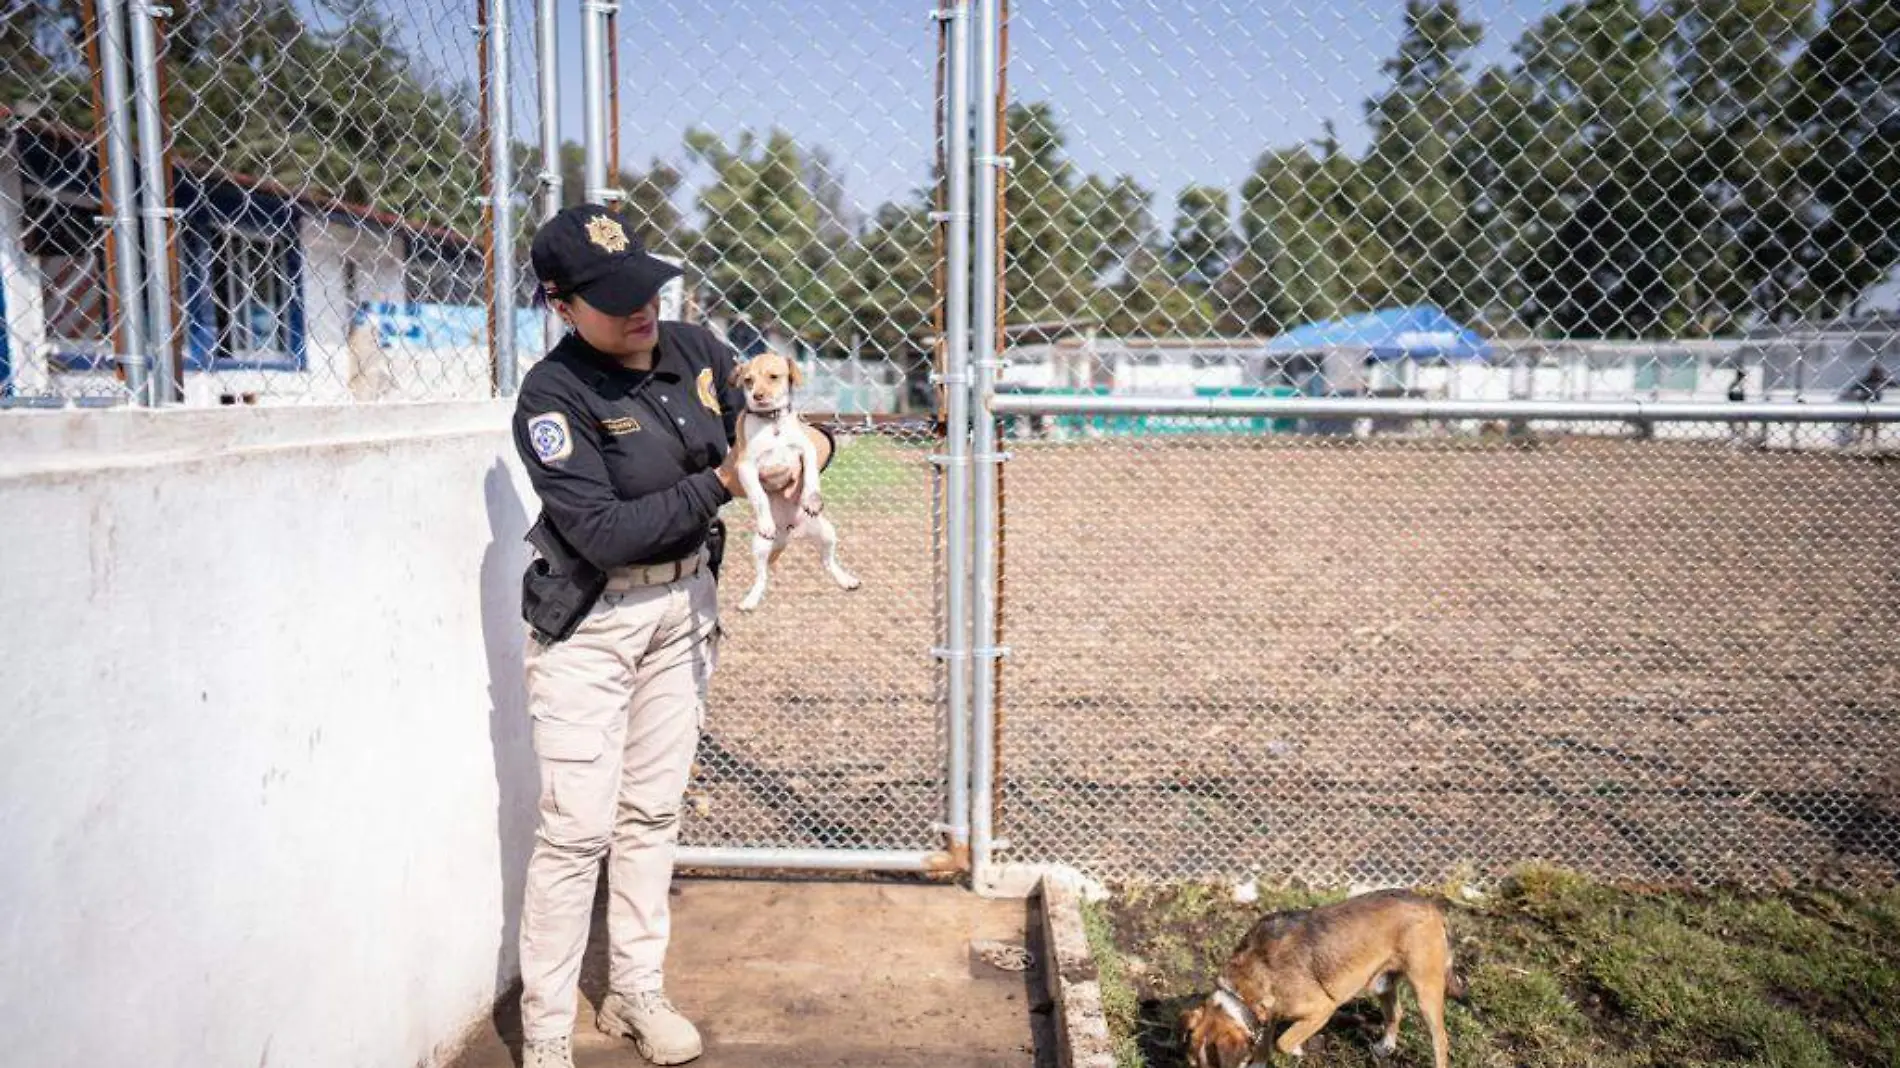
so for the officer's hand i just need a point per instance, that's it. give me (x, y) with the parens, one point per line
(728, 473)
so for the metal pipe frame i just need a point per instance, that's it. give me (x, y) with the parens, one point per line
(594, 99)
(767, 859)
(118, 186)
(547, 43)
(983, 606)
(956, 382)
(153, 194)
(501, 200)
(1402, 408)
(553, 186)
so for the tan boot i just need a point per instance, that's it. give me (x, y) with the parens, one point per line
(659, 1032)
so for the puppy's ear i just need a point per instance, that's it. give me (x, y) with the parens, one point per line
(793, 374)
(737, 377)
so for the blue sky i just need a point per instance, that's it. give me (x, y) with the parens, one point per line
(1170, 92)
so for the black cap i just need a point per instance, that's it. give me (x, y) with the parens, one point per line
(591, 253)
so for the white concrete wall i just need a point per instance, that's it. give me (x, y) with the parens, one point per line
(263, 746)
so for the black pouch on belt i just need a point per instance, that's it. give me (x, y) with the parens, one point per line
(559, 588)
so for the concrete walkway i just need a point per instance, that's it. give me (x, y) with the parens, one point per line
(789, 974)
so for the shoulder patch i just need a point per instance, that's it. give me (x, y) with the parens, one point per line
(548, 434)
(707, 395)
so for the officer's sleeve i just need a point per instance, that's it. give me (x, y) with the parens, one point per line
(560, 446)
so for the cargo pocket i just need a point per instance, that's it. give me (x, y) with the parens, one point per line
(567, 741)
(568, 753)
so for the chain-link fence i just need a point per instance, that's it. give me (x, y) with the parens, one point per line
(1452, 580)
(1354, 644)
(309, 193)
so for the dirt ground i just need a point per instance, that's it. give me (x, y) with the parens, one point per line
(790, 974)
(1346, 662)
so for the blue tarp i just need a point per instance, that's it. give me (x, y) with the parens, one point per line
(1423, 332)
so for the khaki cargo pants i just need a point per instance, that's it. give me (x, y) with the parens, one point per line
(617, 712)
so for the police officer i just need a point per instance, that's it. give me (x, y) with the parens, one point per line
(625, 428)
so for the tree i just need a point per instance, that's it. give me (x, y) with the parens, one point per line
(890, 296)
(1421, 202)
(1842, 113)
(1203, 238)
(43, 71)
(1067, 233)
(762, 250)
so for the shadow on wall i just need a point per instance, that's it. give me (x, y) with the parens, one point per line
(516, 778)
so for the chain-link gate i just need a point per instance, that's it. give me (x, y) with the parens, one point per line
(1382, 505)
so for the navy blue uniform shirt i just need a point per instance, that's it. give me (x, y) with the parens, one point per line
(624, 460)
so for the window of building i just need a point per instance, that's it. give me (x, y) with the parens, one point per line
(252, 296)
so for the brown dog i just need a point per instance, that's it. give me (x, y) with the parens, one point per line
(1301, 966)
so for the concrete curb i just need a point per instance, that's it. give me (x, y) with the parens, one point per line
(1081, 1028)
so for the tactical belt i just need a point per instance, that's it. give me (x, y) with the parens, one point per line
(621, 579)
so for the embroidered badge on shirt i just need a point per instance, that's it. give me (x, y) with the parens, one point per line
(608, 234)
(548, 434)
(706, 395)
(620, 425)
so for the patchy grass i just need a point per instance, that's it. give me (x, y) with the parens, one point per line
(1562, 972)
(875, 469)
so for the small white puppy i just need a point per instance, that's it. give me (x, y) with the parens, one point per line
(770, 434)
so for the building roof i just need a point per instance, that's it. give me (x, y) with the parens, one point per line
(311, 197)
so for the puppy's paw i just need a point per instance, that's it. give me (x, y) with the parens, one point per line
(812, 503)
(1385, 1047)
(751, 603)
(767, 528)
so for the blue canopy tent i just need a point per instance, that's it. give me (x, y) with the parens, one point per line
(1332, 358)
(1422, 332)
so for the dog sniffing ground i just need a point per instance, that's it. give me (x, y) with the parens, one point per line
(1562, 971)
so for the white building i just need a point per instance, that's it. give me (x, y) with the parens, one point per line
(279, 295)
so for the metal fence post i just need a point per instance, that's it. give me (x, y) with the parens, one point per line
(547, 43)
(984, 651)
(594, 99)
(501, 200)
(553, 187)
(956, 381)
(117, 186)
(154, 193)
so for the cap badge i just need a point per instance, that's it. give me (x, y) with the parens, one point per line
(607, 234)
